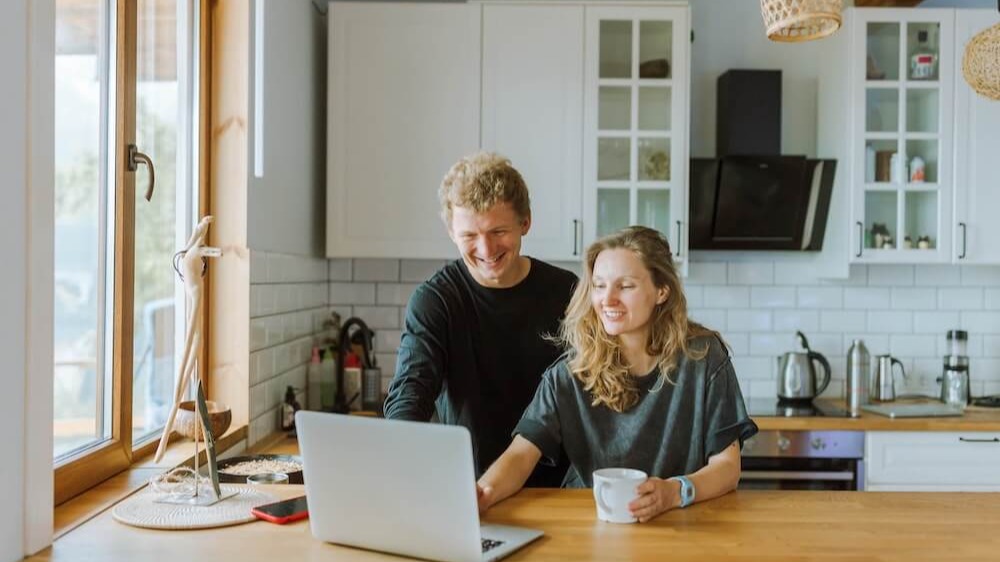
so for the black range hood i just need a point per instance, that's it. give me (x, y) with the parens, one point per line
(751, 197)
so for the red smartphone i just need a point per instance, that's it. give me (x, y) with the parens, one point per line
(282, 512)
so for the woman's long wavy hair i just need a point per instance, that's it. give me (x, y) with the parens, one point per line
(595, 357)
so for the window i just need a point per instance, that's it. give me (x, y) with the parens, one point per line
(126, 74)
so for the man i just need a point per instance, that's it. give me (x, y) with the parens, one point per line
(473, 346)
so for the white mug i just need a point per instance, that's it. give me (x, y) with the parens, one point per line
(614, 489)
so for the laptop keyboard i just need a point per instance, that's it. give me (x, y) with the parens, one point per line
(489, 544)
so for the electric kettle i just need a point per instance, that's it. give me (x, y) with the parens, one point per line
(797, 373)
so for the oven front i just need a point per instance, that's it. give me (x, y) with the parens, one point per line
(803, 460)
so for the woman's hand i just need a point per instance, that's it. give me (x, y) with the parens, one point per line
(655, 497)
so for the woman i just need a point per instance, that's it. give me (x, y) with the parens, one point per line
(641, 386)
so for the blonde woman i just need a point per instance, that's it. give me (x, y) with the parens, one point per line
(642, 386)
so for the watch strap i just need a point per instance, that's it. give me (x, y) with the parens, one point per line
(687, 490)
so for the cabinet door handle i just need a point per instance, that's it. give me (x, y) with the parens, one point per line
(967, 440)
(678, 250)
(576, 237)
(965, 229)
(861, 239)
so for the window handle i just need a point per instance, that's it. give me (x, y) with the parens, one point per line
(134, 159)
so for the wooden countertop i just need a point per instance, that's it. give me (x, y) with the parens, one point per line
(744, 525)
(974, 419)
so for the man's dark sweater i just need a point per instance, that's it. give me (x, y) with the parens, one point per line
(477, 354)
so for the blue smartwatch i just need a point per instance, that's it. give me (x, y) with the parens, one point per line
(687, 490)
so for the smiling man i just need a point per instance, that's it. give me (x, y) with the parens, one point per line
(474, 346)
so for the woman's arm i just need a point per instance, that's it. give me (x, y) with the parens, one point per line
(720, 476)
(508, 473)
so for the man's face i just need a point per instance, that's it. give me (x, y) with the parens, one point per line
(490, 243)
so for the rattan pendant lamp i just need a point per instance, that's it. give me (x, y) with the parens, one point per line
(793, 21)
(981, 62)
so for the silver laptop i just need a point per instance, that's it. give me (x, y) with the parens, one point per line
(401, 487)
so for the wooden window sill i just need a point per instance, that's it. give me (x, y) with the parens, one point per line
(87, 505)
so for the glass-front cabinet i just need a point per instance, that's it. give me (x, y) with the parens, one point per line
(901, 144)
(635, 121)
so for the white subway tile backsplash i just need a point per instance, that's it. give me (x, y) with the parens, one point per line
(739, 344)
(419, 270)
(913, 345)
(786, 273)
(992, 299)
(960, 299)
(378, 317)
(726, 297)
(981, 276)
(756, 368)
(820, 297)
(772, 297)
(982, 322)
(890, 275)
(757, 305)
(796, 320)
(376, 270)
(867, 298)
(842, 321)
(387, 341)
(768, 345)
(395, 293)
(695, 297)
(934, 322)
(938, 276)
(706, 273)
(714, 319)
(748, 320)
(750, 273)
(914, 299)
(830, 345)
(991, 346)
(352, 293)
(339, 269)
(885, 321)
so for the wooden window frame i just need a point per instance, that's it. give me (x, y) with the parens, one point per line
(94, 465)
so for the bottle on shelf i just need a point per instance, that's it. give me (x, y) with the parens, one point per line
(288, 410)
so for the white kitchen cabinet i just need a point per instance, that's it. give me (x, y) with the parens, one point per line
(403, 106)
(415, 86)
(533, 114)
(932, 461)
(636, 90)
(977, 145)
(902, 82)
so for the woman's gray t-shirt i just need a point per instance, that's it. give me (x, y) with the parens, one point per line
(673, 429)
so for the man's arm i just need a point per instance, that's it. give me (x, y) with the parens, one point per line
(422, 360)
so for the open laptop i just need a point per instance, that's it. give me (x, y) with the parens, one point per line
(401, 487)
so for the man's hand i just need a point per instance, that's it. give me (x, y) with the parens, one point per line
(655, 497)
(484, 496)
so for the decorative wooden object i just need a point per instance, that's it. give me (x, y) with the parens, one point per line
(981, 63)
(794, 21)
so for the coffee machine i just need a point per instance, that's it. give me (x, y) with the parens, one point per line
(955, 376)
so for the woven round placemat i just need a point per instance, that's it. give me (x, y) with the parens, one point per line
(141, 511)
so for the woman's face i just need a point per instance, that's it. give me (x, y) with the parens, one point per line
(623, 293)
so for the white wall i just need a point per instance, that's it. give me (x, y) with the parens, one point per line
(27, 64)
(287, 206)
(13, 231)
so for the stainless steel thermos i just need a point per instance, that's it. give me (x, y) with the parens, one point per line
(858, 376)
